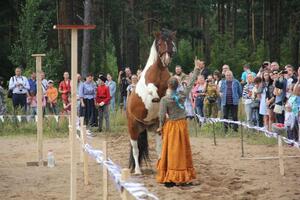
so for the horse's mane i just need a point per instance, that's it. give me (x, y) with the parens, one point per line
(151, 59)
(141, 86)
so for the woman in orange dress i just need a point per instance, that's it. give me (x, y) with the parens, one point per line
(175, 166)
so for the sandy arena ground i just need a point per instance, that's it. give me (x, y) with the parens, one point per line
(221, 174)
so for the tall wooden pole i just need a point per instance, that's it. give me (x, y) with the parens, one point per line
(74, 63)
(38, 59)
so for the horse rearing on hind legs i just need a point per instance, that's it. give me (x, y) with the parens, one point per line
(143, 103)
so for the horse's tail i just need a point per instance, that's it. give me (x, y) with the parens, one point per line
(143, 150)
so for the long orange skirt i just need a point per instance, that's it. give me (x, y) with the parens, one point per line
(175, 164)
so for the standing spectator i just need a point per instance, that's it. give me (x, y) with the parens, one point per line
(256, 97)
(32, 103)
(44, 83)
(270, 99)
(179, 73)
(124, 80)
(65, 90)
(112, 91)
(79, 82)
(32, 82)
(289, 122)
(87, 94)
(225, 68)
(2, 101)
(44, 89)
(199, 94)
(52, 95)
(203, 70)
(102, 102)
(274, 66)
(266, 66)
(217, 76)
(231, 92)
(19, 86)
(291, 79)
(247, 97)
(263, 106)
(280, 93)
(210, 101)
(131, 87)
(245, 74)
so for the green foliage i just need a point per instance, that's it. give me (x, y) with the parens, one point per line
(35, 25)
(286, 53)
(184, 55)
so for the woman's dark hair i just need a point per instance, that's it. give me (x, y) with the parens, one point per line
(263, 77)
(173, 83)
(218, 74)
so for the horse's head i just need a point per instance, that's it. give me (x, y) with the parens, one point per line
(165, 46)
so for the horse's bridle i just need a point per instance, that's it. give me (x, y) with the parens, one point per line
(167, 49)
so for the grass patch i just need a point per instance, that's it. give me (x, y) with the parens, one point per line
(118, 123)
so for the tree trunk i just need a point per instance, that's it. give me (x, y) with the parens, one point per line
(132, 50)
(65, 16)
(86, 46)
(234, 7)
(206, 41)
(253, 25)
(274, 39)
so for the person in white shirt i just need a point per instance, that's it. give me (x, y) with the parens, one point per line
(19, 86)
(289, 121)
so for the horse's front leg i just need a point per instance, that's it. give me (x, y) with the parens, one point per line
(135, 153)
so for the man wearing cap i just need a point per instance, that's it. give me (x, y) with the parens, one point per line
(52, 95)
(102, 102)
(87, 94)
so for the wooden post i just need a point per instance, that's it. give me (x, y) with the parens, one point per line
(196, 125)
(242, 140)
(38, 59)
(214, 132)
(85, 157)
(280, 155)
(124, 176)
(81, 136)
(74, 60)
(105, 178)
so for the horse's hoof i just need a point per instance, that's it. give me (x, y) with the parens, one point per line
(155, 100)
(138, 173)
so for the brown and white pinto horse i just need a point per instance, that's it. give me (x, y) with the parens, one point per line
(143, 103)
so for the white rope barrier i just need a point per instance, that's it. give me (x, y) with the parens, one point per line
(260, 129)
(29, 118)
(137, 190)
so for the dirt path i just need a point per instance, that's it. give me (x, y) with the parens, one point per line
(220, 172)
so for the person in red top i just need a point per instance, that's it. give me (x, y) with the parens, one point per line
(102, 103)
(65, 88)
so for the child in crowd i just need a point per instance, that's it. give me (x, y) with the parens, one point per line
(32, 102)
(256, 95)
(289, 121)
(102, 103)
(52, 95)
